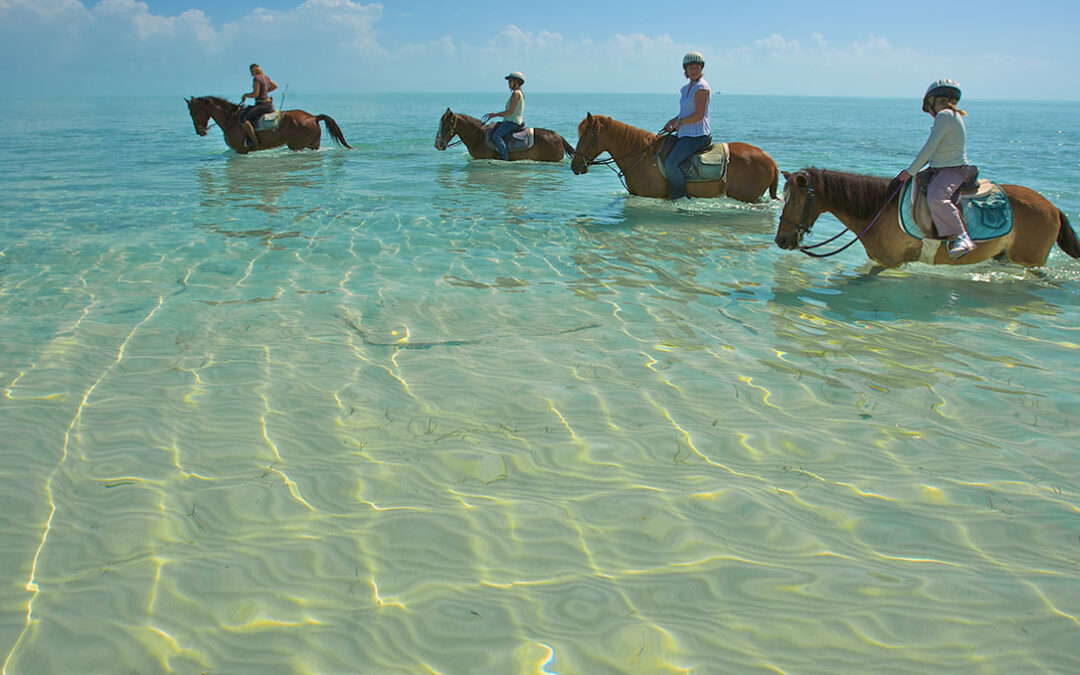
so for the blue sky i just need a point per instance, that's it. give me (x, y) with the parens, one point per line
(997, 50)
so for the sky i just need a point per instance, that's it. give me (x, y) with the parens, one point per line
(1019, 50)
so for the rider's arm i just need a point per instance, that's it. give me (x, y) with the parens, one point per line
(250, 94)
(272, 87)
(509, 105)
(941, 126)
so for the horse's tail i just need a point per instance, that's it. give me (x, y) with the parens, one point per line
(334, 130)
(1066, 238)
(775, 180)
(567, 148)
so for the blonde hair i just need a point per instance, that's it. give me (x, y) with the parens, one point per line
(949, 101)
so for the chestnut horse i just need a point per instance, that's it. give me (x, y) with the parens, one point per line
(548, 146)
(750, 170)
(298, 129)
(867, 205)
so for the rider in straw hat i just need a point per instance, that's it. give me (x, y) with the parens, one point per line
(691, 125)
(513, 116)
(946, 153)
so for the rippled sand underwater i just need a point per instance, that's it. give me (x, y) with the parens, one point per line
(290, 413)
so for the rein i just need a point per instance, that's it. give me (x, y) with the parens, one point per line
(802, 228)
(613, 160)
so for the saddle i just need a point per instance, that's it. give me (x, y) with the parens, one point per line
(519, 140)
(984, 207)
(269, 121)
(706, 165)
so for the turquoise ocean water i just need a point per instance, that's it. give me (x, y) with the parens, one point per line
(397, 411)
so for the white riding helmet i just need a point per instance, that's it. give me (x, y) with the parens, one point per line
(942, 87)
(693, 57)
(515, 76)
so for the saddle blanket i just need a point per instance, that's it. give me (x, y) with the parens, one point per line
(705, 167)
(269, 121)
(987, 213)
(519, 140)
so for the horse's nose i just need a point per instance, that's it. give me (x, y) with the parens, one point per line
(579, 169)
(786, 240)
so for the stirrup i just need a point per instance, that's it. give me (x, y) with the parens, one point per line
(960, 246)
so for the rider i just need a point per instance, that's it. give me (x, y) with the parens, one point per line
(947, 156)
(691, 124)
(261, 86)
(513, 116)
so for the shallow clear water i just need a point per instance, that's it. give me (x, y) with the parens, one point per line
(394, 410)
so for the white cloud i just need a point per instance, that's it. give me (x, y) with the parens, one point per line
(66, 47)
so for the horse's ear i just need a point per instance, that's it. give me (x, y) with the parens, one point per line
(588, 116)
(448, 111)
(787, 175)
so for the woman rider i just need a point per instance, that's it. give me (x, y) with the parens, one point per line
(261, 86)
(691, 125)
(945, 151)
(513, 116)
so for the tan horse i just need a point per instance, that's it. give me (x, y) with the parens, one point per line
(548, 146)
(750, 170)
(858, 200)
(298, 129)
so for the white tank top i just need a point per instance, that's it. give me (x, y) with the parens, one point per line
(517, 115)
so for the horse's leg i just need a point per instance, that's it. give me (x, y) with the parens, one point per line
(749, 173)
(1035, 226)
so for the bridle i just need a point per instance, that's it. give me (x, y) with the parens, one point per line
(613, 160)
(453, 132)
(803, 228)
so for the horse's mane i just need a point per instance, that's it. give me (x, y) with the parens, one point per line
(218, 102)
(623, 132)
(470, 118)
(860, 195)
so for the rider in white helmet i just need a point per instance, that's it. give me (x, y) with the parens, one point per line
(513, 116)
(691, 125)
(946, 153)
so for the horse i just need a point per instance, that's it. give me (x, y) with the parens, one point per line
(868, 206)
(750, 171)
(298, 129)
(548, 146)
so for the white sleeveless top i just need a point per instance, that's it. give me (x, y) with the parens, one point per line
(517, 115)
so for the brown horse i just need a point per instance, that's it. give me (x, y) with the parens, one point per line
(548, 146)
(858, 200)
(298, 129)
(750, 172)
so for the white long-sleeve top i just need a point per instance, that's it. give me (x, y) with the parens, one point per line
(946, 145)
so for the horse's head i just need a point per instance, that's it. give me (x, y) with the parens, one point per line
(447, 129)
(588, 145)
(200, 114)
(800, 211)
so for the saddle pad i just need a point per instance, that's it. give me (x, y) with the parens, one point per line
(704, 167)
(987, 213)
(519, 140)
(269, 121)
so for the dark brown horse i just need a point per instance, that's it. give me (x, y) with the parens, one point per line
(548, 146)
(750, 171)
(856, 201)
(298, 129)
